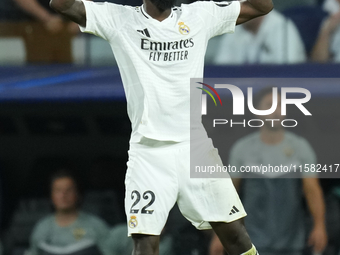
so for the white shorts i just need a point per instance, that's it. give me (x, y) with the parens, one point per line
(158, 176)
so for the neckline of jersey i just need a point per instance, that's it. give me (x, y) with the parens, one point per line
(147, 16)
(271, 146)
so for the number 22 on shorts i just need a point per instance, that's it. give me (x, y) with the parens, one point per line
(136, 195)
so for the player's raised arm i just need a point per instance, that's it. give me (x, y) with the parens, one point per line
(251, 9)
(72, 9)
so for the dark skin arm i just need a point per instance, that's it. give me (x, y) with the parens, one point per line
(72, 9)
(316, 205)
(251, 9)
(216, 247)
(75, 9)
(314, 197)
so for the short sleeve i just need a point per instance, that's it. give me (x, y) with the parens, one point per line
(33, 249)
(220, 17)
(296, 48)
(307, 156)
(118, 241)
(335, 42)
(102, 18)
(38, 235)
(235, 159)
(102, 231)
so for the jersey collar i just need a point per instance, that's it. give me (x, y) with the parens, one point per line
(147, 16)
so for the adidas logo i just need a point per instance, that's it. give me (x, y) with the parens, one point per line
(144, 32)
(233, 210)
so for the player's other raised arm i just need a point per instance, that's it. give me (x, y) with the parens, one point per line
(72, 9)
(251, 9)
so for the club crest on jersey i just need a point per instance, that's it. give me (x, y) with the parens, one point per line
(79, 233)
(133, 221)
(288, 151)
(183, 29)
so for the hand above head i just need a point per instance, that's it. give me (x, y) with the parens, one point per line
(71, 9)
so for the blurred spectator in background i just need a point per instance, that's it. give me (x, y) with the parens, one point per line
(68, 230)
(40, 11)
(274, 201)
(270, 39)
(41, 35)
(118, 243)
(331, 6)
(327, 46)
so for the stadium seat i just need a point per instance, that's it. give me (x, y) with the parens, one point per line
(12, 51)
(104, 204)
(26, 215)
(91, 50)
(38, 180)
(79, 54)
(308, 20)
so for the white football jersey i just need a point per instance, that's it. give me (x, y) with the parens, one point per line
(157, 59)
